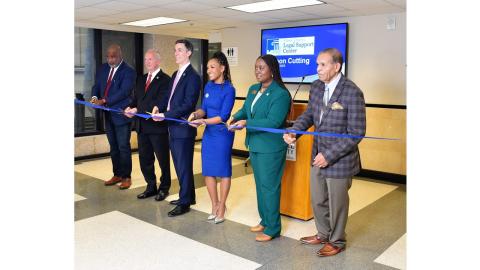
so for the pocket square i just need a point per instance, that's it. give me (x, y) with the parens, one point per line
(337, 106)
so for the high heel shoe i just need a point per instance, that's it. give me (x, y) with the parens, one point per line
(261, 237)
(218, 220)
(257, 228)
(213, 215)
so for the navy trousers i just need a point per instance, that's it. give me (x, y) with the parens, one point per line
(120, 151)
(182, 154)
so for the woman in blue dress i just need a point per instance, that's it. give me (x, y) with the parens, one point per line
(217, 142)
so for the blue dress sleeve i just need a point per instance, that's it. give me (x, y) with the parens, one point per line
(228, 102)
(204, 106)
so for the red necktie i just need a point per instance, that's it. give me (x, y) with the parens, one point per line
(109, 82)
(149, 80)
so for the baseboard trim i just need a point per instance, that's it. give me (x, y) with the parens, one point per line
(98, 155)
(240, 153)
(384, 176)
(378, 175)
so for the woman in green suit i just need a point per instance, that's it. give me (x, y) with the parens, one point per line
(266, 105)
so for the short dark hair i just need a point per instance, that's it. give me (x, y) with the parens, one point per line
(187, 44)
(336, 56)
(222, 60)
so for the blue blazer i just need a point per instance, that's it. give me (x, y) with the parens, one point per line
(120, 92)
(183, 103)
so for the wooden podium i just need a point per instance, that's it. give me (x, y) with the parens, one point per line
(295, 194)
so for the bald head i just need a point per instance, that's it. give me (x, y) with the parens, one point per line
(114, 55)
(152, 60)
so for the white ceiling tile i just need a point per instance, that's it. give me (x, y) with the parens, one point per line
(190, 16)
(256, 19)
(119, 6)
(108, 20)
(84, 16)
(283, 14)
(152, 12)
(151, 3)
(91, 11)
(225, 3)
(221, 12)
(382, 10)
(188, 6)
(344, 13)
(85, 3)
(210, 14)
(320, 10)
(400, 3)
(364, 4)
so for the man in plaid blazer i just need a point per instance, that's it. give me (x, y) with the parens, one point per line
(336, 105)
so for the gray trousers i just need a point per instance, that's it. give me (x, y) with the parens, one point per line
(330, 201)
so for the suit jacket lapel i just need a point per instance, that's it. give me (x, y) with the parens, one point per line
(153, 83)
(181, 80)
(262, 99)
(117, 72)
(336, 93)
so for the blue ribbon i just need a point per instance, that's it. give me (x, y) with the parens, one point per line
(271, 130)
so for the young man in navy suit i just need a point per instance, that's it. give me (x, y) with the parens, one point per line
(152, 136)
(113, 88)
(180, 103)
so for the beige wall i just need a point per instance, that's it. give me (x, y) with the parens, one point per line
(378, 155)
(164, 44)
(97, 144)
(376, 56)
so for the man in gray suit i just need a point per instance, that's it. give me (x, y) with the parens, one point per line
(335, 105)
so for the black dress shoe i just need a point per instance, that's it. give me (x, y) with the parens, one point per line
(179, 210)
(161, 195)
(175, 202)
(146, 194)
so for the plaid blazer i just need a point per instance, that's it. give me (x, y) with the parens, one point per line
(347, 116)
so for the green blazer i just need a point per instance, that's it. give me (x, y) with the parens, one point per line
(269, 111)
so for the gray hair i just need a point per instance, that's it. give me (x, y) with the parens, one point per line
(336, 56)
(155, 53)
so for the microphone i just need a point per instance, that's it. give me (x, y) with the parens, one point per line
(289, 122)
(296, 91)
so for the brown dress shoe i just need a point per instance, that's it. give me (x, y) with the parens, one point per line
(126, 183)
(329, 250)
(261, 237)
(258, 228)
(313, 240)
(113, 181)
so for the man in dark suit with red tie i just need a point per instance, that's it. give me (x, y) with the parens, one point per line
(113, 88)
(181, 102)
(152, 136)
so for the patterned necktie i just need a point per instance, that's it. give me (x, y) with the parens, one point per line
(149, 80)
(325, 102)
(109, 82)
(326, 97)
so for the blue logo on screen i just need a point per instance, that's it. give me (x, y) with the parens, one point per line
(273, 46)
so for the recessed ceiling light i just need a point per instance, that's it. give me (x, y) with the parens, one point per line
(274, 5)
(154, 21)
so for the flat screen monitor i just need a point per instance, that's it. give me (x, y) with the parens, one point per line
(297, 48)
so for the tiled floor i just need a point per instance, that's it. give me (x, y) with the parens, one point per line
(114, 223)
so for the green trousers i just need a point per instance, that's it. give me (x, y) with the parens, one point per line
(268, 170)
